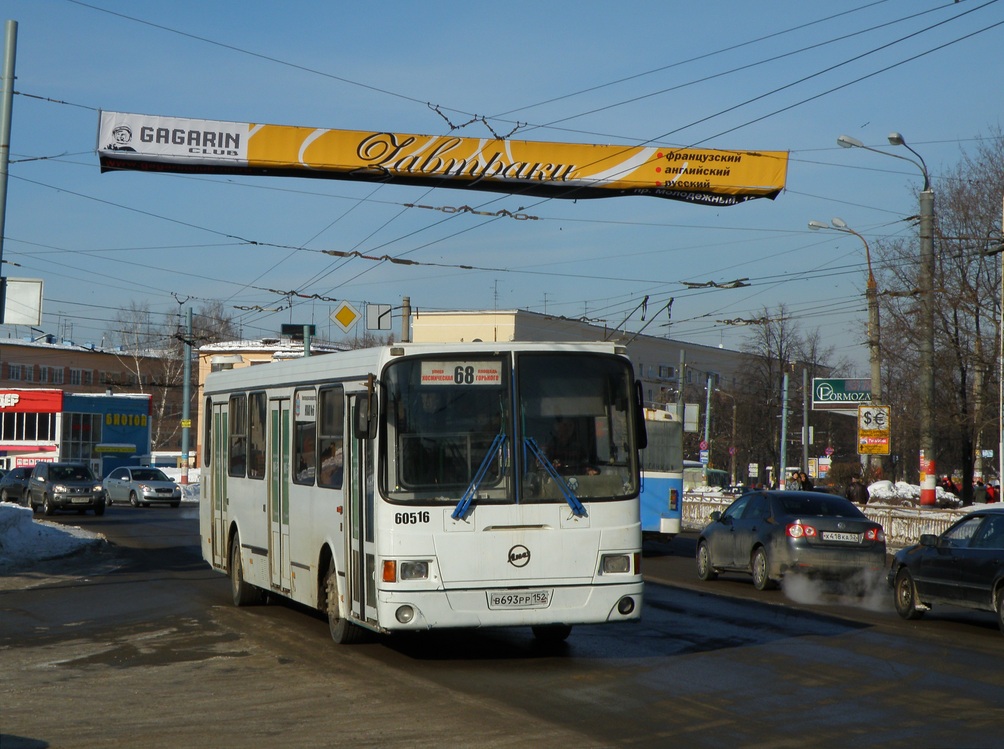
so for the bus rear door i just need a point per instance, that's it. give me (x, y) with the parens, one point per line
(278, 492)
(218, 489)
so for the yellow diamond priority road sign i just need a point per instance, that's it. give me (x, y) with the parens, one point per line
(345, 316)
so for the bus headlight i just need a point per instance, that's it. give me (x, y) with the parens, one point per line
(611, 564)
(414, 570)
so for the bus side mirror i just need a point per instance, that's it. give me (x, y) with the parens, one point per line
(364, 422)
(639, 420)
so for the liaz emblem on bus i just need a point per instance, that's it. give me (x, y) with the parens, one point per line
(461, 373)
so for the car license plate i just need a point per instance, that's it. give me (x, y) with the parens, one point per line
(519, 599)
(852, 538)
(80, 500)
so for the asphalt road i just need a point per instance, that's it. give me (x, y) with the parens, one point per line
(137, 644)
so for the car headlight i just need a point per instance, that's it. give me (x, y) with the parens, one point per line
(59, 488)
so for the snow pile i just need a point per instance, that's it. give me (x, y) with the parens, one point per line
(23, 539)
(907, 495)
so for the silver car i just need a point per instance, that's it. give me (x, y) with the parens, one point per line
(139, 485)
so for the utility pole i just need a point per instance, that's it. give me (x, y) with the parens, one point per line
(707, 421)
(405, 319)
(782, 469)
(186, 398)
(6, 104)
(805, 419)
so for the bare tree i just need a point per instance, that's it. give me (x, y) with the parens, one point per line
(153, 351)
(967, 316)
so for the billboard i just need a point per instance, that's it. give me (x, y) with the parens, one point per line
(838, 394)
(555, 170)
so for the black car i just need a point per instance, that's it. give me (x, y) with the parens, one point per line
(65, 486)
(772, 533)
(964, 566)
(14, 485)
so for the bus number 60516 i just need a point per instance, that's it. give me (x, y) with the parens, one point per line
(411, 518)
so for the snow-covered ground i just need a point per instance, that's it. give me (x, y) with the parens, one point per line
(25, 539)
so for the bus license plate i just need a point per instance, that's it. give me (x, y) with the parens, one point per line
(519, 599)
(847, 537)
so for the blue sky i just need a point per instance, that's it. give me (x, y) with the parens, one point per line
(783, 75)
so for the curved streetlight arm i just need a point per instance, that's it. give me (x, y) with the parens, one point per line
(846, 141)
(840, 225)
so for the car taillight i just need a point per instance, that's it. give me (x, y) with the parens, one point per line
(875, 534)
(798, 530)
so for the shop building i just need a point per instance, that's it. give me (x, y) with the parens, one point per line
(47, 424)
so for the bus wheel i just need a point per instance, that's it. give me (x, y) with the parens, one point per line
(552, 633)
(343, 632)
(243, 593)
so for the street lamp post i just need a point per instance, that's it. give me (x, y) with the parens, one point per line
(732, 447)
(871, 296)
(925, 283)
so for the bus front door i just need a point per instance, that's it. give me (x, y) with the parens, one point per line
(360, 556)
(278, 493)
(218, 488)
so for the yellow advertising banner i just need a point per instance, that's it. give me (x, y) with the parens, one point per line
(558, 170)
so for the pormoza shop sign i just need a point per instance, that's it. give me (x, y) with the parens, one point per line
(840, 394)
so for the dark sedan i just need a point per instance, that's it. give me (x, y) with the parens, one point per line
(964, 566)
(14, 485)
(773, 533)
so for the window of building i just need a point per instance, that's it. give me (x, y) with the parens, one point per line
(76, 377)
(31, 427)
(81, 435)
(666, 373)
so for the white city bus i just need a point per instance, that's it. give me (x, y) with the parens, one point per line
(419, 486)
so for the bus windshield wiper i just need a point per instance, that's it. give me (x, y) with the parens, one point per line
(578, 509)
(465, 502)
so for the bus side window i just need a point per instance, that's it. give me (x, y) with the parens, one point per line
(238, 436)
(305, 437)
(256, 435)
(330, 437)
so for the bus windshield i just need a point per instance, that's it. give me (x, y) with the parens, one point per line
(453, 430)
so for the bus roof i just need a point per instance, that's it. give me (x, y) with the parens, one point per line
(358, 363)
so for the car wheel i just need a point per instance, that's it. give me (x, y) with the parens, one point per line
(244, 594)
(343, 632)
(905, 593)
(175, 504)
(133, 499)
(47, 507)
(704, 569)
(1000, 608)
(99, 509)
(760, 567)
